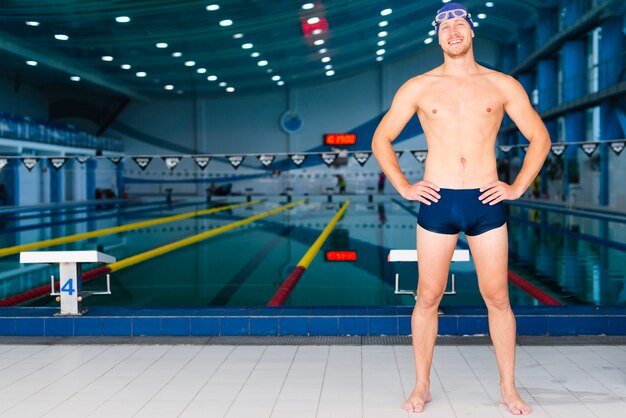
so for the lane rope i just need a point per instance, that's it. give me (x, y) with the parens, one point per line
(292, 280)
(127, 262)
(116, 229)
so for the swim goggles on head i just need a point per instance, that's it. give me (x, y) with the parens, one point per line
(451, 14)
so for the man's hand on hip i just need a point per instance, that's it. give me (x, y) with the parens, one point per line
(497, 191)
(424, 191)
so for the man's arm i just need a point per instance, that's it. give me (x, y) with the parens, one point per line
(518, 107)
(402, 109)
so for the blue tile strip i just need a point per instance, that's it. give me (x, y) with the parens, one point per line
(302, 321)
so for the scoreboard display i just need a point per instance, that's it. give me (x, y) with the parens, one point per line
(339, 139)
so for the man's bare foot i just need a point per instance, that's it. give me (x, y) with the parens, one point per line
(417, 400)
(511, 399)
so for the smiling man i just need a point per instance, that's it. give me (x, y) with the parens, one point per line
(460, 105)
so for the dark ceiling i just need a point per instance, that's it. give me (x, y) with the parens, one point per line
(275, 28)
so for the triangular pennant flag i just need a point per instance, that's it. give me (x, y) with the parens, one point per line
(172, 162)
(589, 148)
(29, 162)
(235, 160)
(505, 148)
(115, 160)
(420, 155)
(3, 162)
(617, 147)
(201, 161)
(525, 148)
(142, 162)
(298, 159)
(558, 149)
(361, 157)
(266, 159)
(399, 154)
(57, 162)
(329, 158)
(82, 159)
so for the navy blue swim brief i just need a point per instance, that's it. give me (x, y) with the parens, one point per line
(459, 210)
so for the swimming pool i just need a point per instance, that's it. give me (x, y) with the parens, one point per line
(574, 258)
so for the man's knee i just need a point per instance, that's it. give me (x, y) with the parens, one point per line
(429, 298)
(498, 300)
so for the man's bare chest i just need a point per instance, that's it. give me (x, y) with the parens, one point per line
(438, 103)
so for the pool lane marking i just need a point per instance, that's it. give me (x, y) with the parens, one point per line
(514, 278)
(291, 281)
(116, 229)
(127, 262)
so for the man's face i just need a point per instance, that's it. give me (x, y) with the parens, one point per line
(455, 37)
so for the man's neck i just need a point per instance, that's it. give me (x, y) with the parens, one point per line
(460, 66)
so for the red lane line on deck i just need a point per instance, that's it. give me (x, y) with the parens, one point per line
(532, 290)
(45, 289)
(283, 293)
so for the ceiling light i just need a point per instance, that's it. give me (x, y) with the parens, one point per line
(169, 87)
(226, 22)
(61, 37)
(213, 7)
(476, 24)
(247, 46)
(230, 89)
(385, 12)
(432, 33)
(238, 36)
(381, 43)
(379, 58)
(446, 1)
(141, 74)
(125, 67)
(326, 59)
(380, 52)
(276, 78)
(489, 4)
(319, 42)
(269, 71)
(177, 54)
(32, 63)
(313, 20)
(323, 51)
(190, 63)
(308, 6)
(179, 92)
(383, 23)
(32, 23)
(75, 78)
(122, 19)
(262, 63)
(317, 31)
(201, 70)
(482, 16)
(161, 45)
(107, 58)
(330, 73)
(281, 83)
(328, 67)
(222, 84)
(212, 78)
(428, 40)
(382, 34)
(255, 54)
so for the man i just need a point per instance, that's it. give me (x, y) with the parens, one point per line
(460, 105)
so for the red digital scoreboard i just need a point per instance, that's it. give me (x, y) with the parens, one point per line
(340, 139)
(341, 255)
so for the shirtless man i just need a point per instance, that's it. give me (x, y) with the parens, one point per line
(460, 105)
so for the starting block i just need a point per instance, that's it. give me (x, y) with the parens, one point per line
(410, 256)
(70, 293)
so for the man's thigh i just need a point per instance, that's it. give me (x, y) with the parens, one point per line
(434, 254)
(490, 252)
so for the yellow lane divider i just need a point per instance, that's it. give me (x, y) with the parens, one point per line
(116, 229)
(118, 265)
(290, 282)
